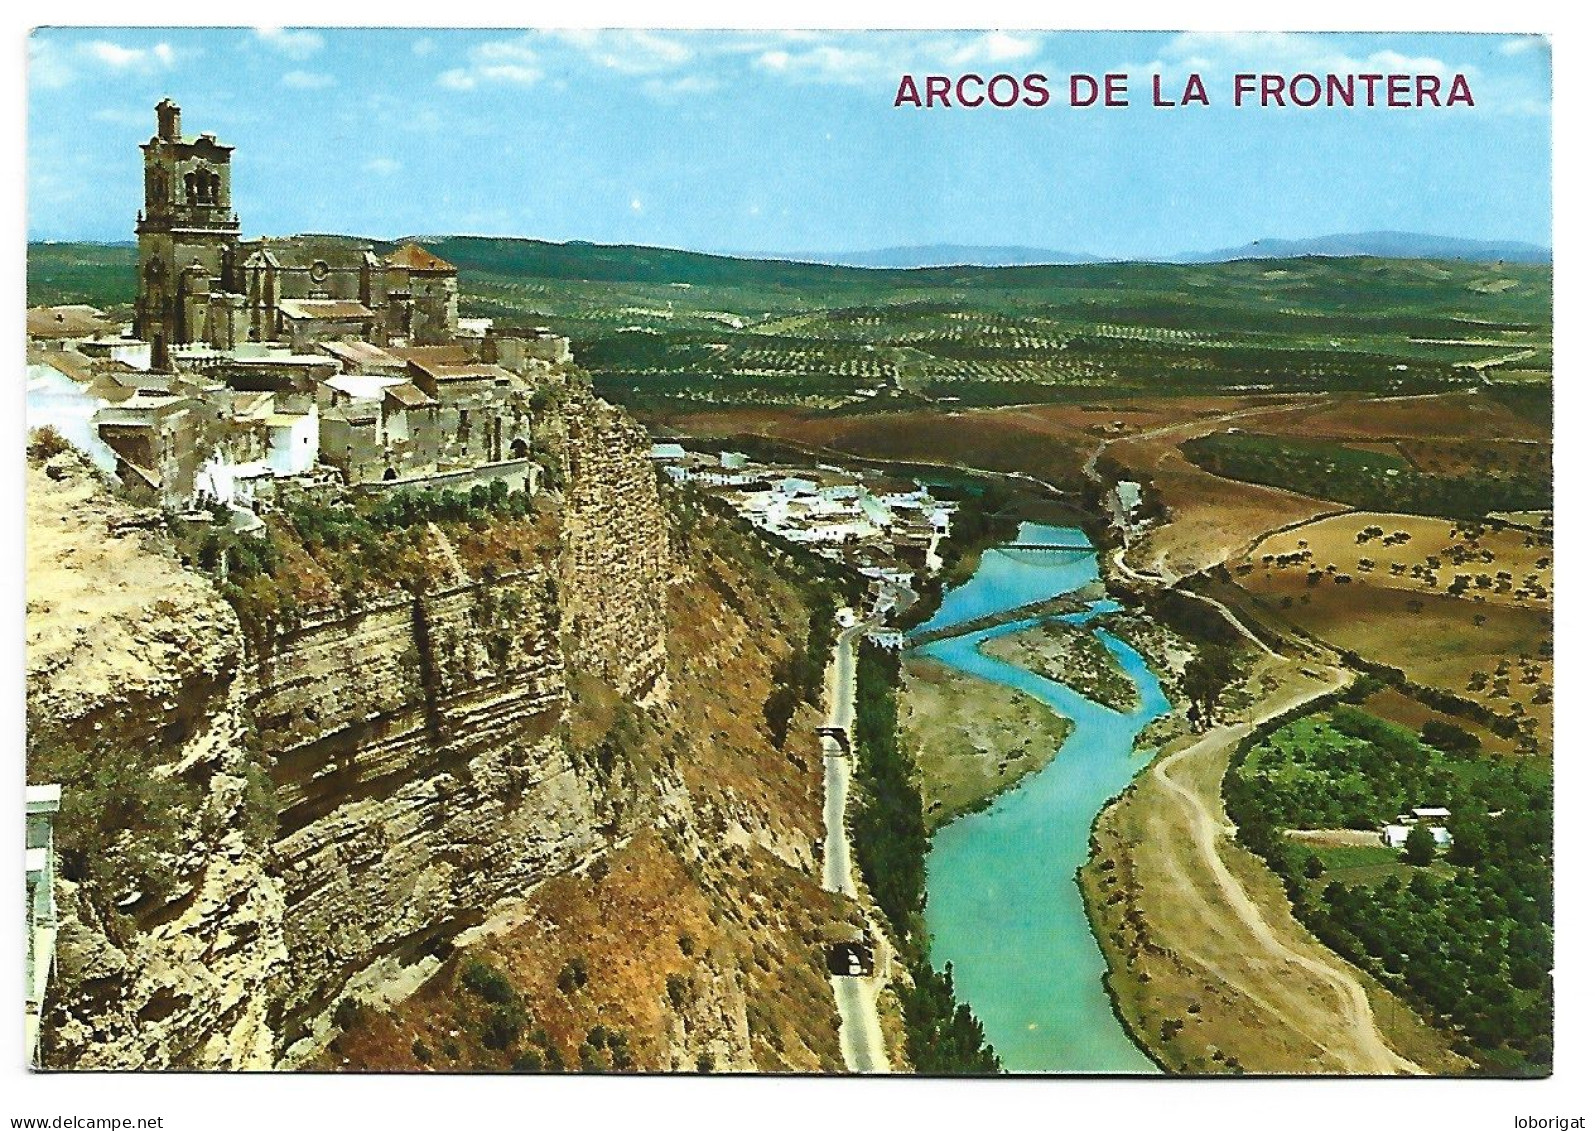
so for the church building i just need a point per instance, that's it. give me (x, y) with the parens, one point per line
(200, 284)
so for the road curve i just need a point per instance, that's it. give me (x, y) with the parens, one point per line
(1368, 1052)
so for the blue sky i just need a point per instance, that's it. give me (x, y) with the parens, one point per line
(765, 141)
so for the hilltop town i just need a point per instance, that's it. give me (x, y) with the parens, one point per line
(397, 581)
(258, 370)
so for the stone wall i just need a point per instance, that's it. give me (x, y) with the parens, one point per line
(516, 474)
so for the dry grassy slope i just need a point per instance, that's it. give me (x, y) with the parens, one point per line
(716, 894)
(1443, 639)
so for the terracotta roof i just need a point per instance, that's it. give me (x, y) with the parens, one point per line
(69, 362)
(66, 322)
(109, 391)
(361, 354)
(417, 258)
(350, 414)
(453, 354)
(141, 379)
(336, 309)
(409, 396)
(474, 371)
(259, 405)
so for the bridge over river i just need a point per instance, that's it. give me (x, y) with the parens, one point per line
(1051, 607)
(1036, 555)
(1061, 545)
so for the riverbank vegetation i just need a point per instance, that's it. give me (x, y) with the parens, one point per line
(944, 1037)
(982, 520)
(1070, 654)
(1466, 937)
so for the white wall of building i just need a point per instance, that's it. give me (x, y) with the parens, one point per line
(54, 399)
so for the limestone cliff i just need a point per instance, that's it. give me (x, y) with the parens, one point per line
(695, 940)
(614, 550)
(451, 759)
(129, 653)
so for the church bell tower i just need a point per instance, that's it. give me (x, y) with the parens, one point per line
(187, 221)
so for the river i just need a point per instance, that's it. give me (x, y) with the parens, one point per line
(1002, 904)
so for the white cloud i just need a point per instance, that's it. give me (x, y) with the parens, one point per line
(1288, 51)
(666, 89)
(296, 44)
(1494, 91)
(636, 204)
(114, 56)
(994, 47)
(307, 80)
(383, 166)
(503, 61)
(678, 64)
(826, 63)
(1522, 43)
(422, 47)
(859, 58)
(630, 51)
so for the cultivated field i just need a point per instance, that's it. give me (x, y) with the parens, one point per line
(1464, 608)
(669, 329)
(1205, 960)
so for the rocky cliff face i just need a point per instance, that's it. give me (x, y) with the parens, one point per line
(440, 757)
(130, 653)
(693, 940)
(419, 783)
(614, 564)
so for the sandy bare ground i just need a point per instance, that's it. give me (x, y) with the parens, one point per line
(1207, 963)
(1335, 838)
(970, 738)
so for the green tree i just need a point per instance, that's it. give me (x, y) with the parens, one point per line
(1204, 679)
(1419, 849)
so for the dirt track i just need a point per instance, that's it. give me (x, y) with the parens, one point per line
(1343, 1025)
(1206, 961)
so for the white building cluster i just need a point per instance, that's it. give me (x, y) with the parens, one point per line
(888, 531)
(1395, 836)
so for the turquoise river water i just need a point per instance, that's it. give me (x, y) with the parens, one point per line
(1002, 903)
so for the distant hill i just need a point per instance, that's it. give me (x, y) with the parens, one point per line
(1377, 245)
(1382, 245)
(105, 275)
(945, 255)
